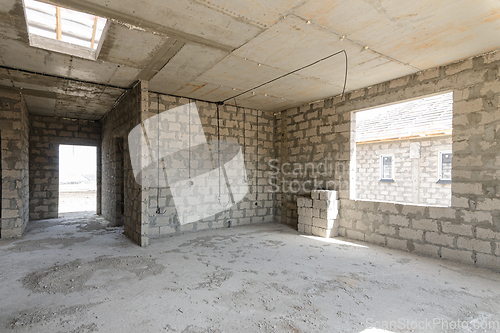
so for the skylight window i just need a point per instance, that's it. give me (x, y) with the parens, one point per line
(64, 30)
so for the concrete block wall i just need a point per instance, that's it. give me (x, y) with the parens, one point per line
(46, 134)
(258, 204)
(316, 134)
(122, 195)
(415, 179)
(14, 168)
(141, 219)
(469, 230)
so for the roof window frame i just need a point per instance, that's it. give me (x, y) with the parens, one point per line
(58, 44)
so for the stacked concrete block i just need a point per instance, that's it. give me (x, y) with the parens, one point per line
(318, 215)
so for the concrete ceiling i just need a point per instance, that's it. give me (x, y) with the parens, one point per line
(213, 50)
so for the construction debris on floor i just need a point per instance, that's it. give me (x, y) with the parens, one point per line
(77, 274)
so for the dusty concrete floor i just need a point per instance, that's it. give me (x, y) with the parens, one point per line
(75, 274)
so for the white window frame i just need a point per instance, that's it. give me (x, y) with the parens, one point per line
(382, 179)
(440, 166)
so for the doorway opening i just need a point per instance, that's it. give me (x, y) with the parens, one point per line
(77, 179)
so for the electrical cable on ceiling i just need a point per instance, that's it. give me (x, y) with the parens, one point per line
(24, 71)
(295, 71)
(345, 75)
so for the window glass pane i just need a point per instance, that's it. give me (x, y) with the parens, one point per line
(82, 18)
(42, 32)
(446, 166)
(387, 167)
(41, 19)
(75, 30)
(41, 7)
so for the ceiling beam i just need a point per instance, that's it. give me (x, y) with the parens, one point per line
(160, 59)
(67, 79)
(31, 92)
(105, 12)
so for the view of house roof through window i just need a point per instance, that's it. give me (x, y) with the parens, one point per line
(64, 30)
(422, 117)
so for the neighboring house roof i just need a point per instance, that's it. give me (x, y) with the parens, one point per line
(422, 117)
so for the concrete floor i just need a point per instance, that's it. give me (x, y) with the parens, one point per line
(77, 201)
(75, 274)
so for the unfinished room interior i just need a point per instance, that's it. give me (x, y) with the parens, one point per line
(250, 166)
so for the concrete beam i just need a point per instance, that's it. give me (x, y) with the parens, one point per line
(31, 92)
(160, 59)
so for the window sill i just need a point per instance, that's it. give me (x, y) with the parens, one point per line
(386, 181)
(443, 181)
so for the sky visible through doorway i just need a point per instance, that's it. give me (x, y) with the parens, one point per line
(76, 164)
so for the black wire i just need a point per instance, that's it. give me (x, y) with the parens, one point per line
(257, 164)
(62, 77)
(189, 147)
(244, 126)
(158, 154)
(345, 76)
(218, 158)
(244, 132)
(244, 135)
(218, 147)
(294, 71)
